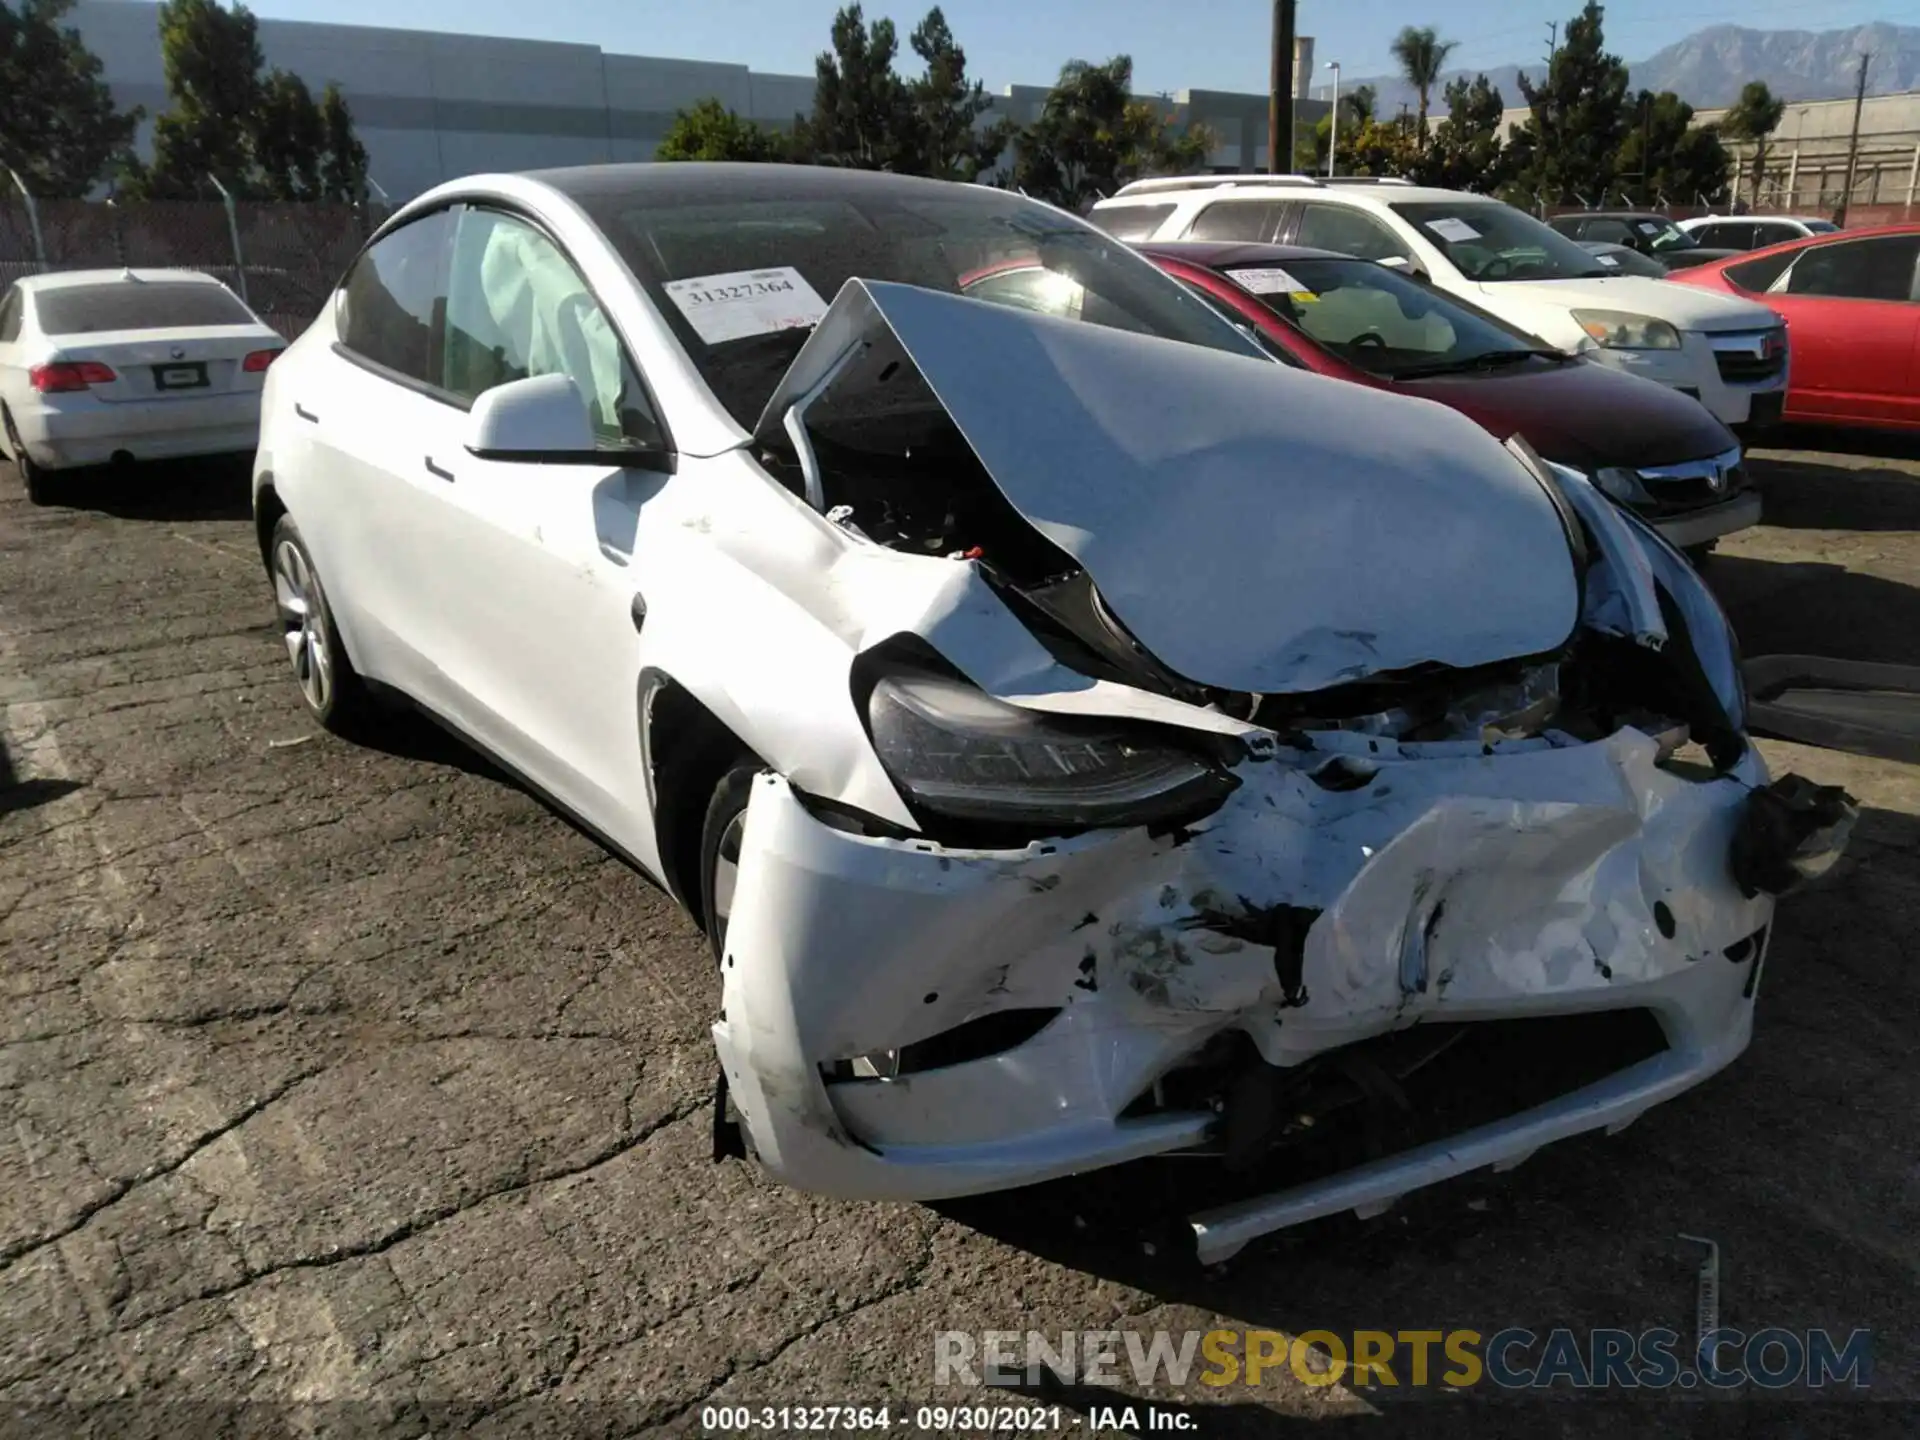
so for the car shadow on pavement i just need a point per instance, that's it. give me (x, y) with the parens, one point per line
(406, 732)
(1807, 495)
(1809, 608)
(220, 488)
(20, 794)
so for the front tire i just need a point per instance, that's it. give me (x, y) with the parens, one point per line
(334, 693)
(720, 839)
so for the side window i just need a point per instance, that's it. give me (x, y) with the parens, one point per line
(1729, 237)
(12, 312)
(1876, 269)
(1350, 232)
(1772, 235)
(1614, 232)
(389, 301)
(516, 308)
(1237, 220)
(1758, 276)
(1131, 222)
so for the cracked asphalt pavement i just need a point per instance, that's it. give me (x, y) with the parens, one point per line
(348, 1086)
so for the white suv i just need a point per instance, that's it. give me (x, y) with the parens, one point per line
(1730, 354)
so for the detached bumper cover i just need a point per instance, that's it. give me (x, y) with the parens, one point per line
(1454, 884)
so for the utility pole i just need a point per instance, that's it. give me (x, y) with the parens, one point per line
(1853, 141)
(1280, 92)
(1553, 42)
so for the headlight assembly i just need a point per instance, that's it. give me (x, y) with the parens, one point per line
(1619, 330)
(1621, 484)
(956, 751)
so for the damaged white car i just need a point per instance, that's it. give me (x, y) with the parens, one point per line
(1082, 738)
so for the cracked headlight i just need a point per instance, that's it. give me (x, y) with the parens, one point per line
(956, 751)
(1619, 330)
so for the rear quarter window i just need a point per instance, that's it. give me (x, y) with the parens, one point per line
(1131, 222)
(137, 305)
(1757, 275)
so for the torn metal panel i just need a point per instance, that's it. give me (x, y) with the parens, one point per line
(1368, 533)
(1536, 880)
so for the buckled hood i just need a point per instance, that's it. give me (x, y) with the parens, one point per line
(1256, 528)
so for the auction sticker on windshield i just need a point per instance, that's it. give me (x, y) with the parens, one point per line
(1451, 228)
(746, 302)
(1269, 281)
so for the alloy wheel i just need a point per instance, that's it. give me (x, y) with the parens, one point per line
(303, 624)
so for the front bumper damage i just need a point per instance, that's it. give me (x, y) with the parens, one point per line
(1341, 892)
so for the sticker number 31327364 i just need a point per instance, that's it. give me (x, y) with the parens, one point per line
(746, 302)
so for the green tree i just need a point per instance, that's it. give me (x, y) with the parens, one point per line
(212, 60)
(862, 114)
(1380, 148)
(1567, 147)
(1466, 152)
(59, 129)
(261, 136)
(1665, 155)
(1422, 54)
(710, 131)
(1754, 116)
(1092, 137)
(1357, 108)
(343, 160)
(288, 139)
(950, 142)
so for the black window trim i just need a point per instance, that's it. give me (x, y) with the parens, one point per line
(1840, 237)
(664, 460)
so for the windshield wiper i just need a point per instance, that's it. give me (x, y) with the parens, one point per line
(1491, 360)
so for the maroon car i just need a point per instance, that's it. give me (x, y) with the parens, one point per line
(1648, 446)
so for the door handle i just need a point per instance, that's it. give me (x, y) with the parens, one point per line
(433, 469)
(305, 414)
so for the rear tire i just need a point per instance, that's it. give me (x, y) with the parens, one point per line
(39, 483)
(334, 693)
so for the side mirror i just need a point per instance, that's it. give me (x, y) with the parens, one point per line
(542, 419)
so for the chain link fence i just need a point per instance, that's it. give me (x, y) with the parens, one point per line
(285, 258)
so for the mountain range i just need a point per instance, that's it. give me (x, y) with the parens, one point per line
(1708, 68)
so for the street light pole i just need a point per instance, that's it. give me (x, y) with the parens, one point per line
(1333, 135)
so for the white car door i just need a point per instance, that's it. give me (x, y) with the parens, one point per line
(359, 420)
(534, 570)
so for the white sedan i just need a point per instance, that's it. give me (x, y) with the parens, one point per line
(100, 365)
(1081, 739)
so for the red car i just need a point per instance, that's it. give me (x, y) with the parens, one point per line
(1650, 447)
(1849, 302)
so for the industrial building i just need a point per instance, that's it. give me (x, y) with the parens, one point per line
(430, 106)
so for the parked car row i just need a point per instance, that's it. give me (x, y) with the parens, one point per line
(1081, 735)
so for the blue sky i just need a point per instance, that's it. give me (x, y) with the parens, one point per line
(1207, 44)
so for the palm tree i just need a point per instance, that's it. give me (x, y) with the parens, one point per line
(1754, 116)
(1421, 53)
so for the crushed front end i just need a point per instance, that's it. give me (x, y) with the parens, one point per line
(1202, 925)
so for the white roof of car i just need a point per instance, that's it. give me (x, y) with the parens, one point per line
(68, 279)
(1171, 187)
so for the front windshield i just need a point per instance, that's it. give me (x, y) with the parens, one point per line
(1380, 320)
(1488, 241)
(1662, 236)
(1820, 227)
(742, 280)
